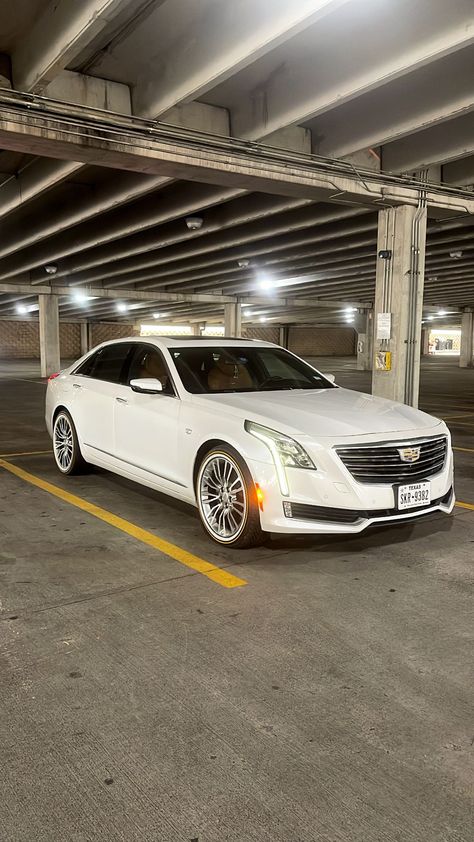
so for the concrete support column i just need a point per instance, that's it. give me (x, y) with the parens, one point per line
(365, 343)
(233, 320)
(283, 337)
(466, 359)
(49, 334)
(86, 343)
(425, 342)
(398, 303)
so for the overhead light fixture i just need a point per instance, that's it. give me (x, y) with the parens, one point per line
(194, 223)
(456, 255)
(243, 263)
(442, 312)
(121, 307)
(81, 297)
(50, 268)
(265, 281)
(21, 309)
(263, 319)
(350, 310)
(429, 318)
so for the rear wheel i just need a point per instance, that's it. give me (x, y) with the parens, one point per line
(67, 453)
(227, 500)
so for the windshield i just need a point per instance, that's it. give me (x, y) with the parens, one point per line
(214, 369)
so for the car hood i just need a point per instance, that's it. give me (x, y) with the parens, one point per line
(327, 412)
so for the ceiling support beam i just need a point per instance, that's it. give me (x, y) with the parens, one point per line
(226, 38)
(134, 295)
(169, 152)
(64, 28)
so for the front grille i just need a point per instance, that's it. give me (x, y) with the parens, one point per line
(325, 514)
(383, 465)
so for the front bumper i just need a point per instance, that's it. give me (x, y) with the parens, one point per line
(330, 501)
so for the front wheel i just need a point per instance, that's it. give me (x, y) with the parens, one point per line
(227, 500)
(67, 453)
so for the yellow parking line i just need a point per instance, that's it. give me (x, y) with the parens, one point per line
(465, 505)
(464, 449)
(217, 574)
(24, 453)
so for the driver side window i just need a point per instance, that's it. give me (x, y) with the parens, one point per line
(149, 362)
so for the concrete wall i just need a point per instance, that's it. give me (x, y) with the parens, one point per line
(19, 340)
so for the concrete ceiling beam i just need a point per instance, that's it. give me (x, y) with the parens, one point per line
(459, 172)
(226, 38)
(437, 145)
(438, 93)
(57, 37)
(213, 160)
(288, 94)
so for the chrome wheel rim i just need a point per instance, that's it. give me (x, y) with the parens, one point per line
(223, 497)
(63, 443)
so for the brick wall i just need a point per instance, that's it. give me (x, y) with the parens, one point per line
(19, 340)
(103, 331)
(265, 334)
(323, 342)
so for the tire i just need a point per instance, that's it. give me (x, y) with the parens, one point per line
(227, 499)
(66, 450)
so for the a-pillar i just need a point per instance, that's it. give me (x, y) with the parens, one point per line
(49, 334)
(398, 303)
(233, 319)
(466, 359)
(365, 336)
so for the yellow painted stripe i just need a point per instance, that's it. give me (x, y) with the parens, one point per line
(465, 505)
(464, 449)
(217, 574)
(24, 453)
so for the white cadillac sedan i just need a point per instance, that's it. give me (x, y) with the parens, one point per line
(249, 433)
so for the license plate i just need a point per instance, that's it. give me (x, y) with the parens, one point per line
(416, 494)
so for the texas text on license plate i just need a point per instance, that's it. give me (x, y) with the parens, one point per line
(416, 494)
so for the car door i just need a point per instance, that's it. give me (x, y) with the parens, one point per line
(96, 384)
(147, 427)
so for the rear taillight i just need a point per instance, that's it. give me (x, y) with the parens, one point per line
(53, 376)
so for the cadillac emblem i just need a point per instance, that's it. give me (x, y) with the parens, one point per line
(409, 454)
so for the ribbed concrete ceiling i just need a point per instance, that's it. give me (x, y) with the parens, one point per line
(388, 84)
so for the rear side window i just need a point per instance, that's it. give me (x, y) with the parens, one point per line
(107, 363)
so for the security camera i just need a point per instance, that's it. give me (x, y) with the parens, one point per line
(51, 269)
(194, 223)
(243, 264)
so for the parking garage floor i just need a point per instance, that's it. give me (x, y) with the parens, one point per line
(327, 697)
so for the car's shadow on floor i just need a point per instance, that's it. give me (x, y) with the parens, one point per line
(371, 539)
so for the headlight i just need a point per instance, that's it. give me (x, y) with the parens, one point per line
(286, 452)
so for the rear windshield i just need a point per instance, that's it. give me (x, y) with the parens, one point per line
(206, 370)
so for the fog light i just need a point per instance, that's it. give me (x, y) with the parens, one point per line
(287, 509)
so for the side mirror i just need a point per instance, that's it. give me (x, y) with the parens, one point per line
(330, 377)
(147, 385)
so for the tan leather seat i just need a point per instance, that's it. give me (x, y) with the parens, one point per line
(228, 375)
(153, 366)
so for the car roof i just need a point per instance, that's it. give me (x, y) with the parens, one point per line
(190, 341)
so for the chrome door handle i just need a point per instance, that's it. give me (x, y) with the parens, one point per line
(76, 386)
(121, 400)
